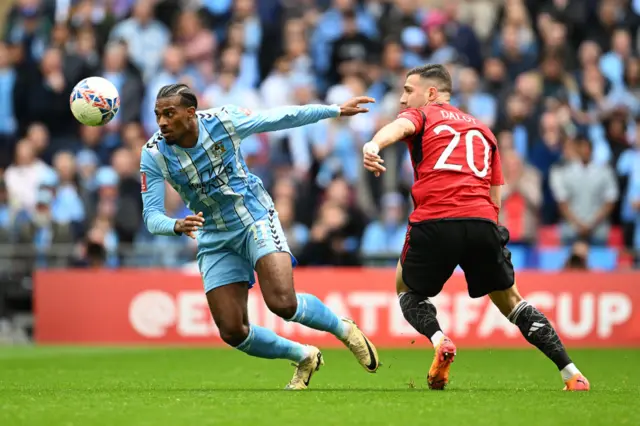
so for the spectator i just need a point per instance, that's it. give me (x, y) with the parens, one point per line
(328, 240)
(42, 95)
(197, 43)
(586, 194)
(8, 123)
(470, 99)
(628, 168)
(340, 193)
(296, 49)
(38, 134)
(240, 57)
(92, 253)
(612, 62)
(23, 178)
(128, 215)
(5, 214)
(414, 41)
(634, 201)
(385, 237)
(545, 153)
(145, 37)
(495, 77)
(29, 29)
(87, 165)
(47, 241)
(67, 206)
(521, 198)
(330, 27)
(296, 233)
(399, 16)
(276, 89)
(578, 257)
(349, 52)
(228, 91)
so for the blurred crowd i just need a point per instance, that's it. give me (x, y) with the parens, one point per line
(557, 80)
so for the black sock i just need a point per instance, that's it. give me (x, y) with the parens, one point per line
(538, 331)
(420, 313)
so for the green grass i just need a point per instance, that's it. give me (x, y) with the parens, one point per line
(194, 387)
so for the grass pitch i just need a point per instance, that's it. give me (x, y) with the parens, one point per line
(195, 387)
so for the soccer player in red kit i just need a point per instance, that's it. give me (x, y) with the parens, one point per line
(456, 194)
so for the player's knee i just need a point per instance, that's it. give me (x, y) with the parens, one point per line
(282, 304)
(233, 335)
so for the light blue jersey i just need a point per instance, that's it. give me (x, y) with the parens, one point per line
(241, 224)
(212, 177)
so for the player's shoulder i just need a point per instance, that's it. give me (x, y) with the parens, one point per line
(153, 145)
(225, 110)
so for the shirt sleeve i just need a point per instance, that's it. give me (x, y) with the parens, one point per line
(497, 177)
(247, 123)
(415, 116)
(152, 190)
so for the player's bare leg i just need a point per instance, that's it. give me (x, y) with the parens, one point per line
(421, 314)
(275, 275)
(228, 305)
(536, 328)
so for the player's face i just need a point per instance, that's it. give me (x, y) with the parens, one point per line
(173, 119)
(417, 92)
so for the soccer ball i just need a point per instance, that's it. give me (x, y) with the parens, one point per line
(94, 101)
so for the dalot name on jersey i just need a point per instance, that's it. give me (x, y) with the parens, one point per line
(455, 116)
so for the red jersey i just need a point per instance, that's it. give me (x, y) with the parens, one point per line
(455, 160)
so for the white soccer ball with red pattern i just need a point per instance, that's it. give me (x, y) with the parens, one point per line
(94, 101)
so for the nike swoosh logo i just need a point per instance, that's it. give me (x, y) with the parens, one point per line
(374, 362)
(319, 357)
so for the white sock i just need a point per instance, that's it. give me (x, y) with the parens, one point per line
(569, 371)
(436, 338)
(345, 329)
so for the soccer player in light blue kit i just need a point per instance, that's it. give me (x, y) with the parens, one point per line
(236, 225)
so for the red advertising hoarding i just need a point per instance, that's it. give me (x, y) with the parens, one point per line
(143, 307)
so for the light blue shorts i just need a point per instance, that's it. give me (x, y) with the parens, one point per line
(226, 257)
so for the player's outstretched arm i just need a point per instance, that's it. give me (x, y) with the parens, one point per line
(247, 123)
(393, 132)
(152, 190)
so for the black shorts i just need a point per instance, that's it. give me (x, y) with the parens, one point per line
(433, 249)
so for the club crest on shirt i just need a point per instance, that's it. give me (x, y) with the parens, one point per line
(219, 149)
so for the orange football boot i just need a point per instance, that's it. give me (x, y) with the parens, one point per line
(439, 372)
(577, 383)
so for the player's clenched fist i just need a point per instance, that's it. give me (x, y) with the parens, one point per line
(372, 160)
(189, 225)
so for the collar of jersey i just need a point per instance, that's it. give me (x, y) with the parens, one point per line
(197, 145)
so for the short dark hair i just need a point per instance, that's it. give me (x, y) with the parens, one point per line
(187, 96)
(435, 72)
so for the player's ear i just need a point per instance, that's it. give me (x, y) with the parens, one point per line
(432, 93)
(191, 111)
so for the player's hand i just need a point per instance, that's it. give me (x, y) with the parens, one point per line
(372, 160)
(189, 225)
(352, 106)
(583, 229)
